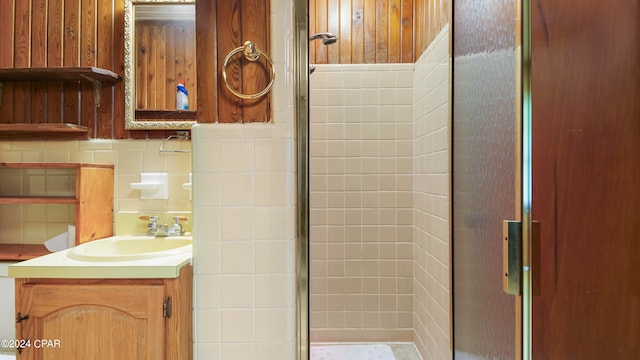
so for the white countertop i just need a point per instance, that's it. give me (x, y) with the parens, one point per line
(58, 265)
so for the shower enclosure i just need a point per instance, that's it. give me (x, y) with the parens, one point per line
(575, 173)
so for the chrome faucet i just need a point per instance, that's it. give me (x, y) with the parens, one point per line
(156, 229)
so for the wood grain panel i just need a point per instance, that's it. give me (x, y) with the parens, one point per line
(370, 26)
(118, 67)
(357, 32)
(55, 34)
(380, 31)
(255, 74)
(406, 31)
(344, 34)
(586, 179)
(71, 57)
(322, 17)
(38, 59)
(229, 37)
(206, 34)
(430, 18)
(7, 8)
(238, 21)
(105, 41)
(22, 58)
(88, 57)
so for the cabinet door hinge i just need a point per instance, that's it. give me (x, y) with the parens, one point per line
(166, 308)
(20, 318)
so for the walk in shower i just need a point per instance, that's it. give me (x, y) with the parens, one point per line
(378, 208)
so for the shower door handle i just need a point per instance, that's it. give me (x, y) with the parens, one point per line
(513, 249)
(512, 257)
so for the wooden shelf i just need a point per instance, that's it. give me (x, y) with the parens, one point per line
(96, 76)
(92, 196)
(39, 200)
(62, 131)
(19, 252)
(60, 74)
(52, 165)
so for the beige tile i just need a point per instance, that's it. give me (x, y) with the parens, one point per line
(236, 156)
(237, 291)
(273, 325)
(208, 326)
(237, 257)
(271, 189)
(207, 292)
(273, 257)
(235, 189)
(237, 223)
(273, 291)
(238, 326)
(242, 351)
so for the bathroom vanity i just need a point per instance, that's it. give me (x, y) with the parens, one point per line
(133, 309)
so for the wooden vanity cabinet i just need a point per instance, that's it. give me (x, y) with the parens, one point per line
(105, 318)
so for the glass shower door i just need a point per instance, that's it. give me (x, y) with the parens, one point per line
(485, 173)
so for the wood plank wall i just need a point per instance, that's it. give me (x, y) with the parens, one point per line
(430, 17)
(165, 54)
(375, 31)
(55, 33)
(221, 28)
(36, 33)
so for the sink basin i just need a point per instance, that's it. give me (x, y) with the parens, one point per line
(131, 247)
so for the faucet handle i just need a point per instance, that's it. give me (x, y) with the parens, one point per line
(176, 228)
(153, 223)
(177, 219)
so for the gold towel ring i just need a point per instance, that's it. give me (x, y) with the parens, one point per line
(251, 53)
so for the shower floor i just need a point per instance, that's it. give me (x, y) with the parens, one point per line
(360, 351)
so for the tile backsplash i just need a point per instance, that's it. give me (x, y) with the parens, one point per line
(35, 223)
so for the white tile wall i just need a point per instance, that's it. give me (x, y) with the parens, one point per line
(432, 147)
(244, 252)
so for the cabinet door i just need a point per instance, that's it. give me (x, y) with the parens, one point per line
(92, 321)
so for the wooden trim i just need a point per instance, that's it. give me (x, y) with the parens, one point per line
(59, 74)
(165, 114)
(38, 200)
(53, 165)
(22, 131)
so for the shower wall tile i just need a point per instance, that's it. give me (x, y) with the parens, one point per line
(361, 161)
(431, 146)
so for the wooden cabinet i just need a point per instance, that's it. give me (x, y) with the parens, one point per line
(105, 318)
(88, 187)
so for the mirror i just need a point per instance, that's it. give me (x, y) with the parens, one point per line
(159, 55)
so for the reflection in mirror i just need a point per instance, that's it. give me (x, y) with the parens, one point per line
(160, 55)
